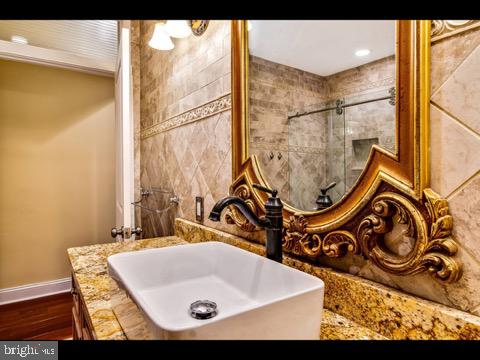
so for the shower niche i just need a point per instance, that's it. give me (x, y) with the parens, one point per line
(360, 151)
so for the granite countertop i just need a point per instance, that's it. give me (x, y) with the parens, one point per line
(89, 264)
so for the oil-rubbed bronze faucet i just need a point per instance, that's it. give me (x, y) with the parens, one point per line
(272, 222)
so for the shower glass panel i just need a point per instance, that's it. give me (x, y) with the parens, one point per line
(330, 142)
(316, 154)
(367, 124)
(335, 165)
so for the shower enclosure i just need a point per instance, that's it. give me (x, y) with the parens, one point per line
(330, 142)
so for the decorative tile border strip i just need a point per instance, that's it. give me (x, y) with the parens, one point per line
(220, 104)
(363, 89)
(282, 147)
(268, 146)
(442, 29)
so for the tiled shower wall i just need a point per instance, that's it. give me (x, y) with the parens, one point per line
(354, 131)
(177, 158)
(274, 91)
(373, 121)
(318, 148)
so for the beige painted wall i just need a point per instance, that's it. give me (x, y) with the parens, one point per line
(57, 168)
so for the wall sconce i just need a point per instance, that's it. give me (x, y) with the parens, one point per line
(160, 39)
(164, 31)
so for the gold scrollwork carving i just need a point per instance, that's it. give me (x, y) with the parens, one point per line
(233, 216)
(432, 251)
(297, 240)
(338, 243)
(444, 28)
(392, 191)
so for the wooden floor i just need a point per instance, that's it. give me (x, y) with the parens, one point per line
(47, 318)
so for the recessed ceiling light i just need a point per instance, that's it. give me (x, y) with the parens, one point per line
(19, 39)
(362, 52)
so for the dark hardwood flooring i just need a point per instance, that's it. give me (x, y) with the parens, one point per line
(46, 318)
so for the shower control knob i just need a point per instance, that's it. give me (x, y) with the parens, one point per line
(115, 232)
(137, 231)
(125, 233)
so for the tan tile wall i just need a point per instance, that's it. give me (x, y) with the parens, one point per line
(298, 145)
(366, 121)
(275, 90)
(455, 173)
(455, 150)
(195, 159)
(379, 74)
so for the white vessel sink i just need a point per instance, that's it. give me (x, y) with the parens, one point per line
(256, 298)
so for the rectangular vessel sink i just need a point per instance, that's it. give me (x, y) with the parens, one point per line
(256, 298)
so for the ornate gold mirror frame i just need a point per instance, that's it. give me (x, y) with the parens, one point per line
(392, 187)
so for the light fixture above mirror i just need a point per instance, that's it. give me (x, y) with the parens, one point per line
(160, 39)
(180, 29)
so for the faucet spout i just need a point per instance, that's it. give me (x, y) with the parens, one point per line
(272, 222)
(242, 206)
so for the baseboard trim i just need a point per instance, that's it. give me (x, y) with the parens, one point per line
(33, 291)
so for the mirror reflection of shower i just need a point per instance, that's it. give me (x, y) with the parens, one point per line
(339, 135)
(321, 93)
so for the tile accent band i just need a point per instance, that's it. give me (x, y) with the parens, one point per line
(442, 29)
(212, 107)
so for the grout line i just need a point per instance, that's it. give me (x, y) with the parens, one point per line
(454, 71)
(467, 251)
(227, 153)
(462, 124)
(475, 309)
(468, 129)
(462, 186)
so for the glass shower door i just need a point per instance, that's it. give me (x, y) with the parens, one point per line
(369, 122)
(335, 153)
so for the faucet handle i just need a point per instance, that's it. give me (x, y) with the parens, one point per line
(328, 187)
(273, 192)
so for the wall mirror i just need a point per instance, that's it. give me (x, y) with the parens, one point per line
(334, 115)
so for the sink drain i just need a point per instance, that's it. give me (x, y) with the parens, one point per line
(203, 309)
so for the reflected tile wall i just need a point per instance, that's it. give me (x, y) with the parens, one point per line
(335, 155)
(363, 79)
(274, 91)
(365, 125)
(342, 141)
(307, 145)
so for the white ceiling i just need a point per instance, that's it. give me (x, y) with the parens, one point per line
(95, 39)
(322, 47)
